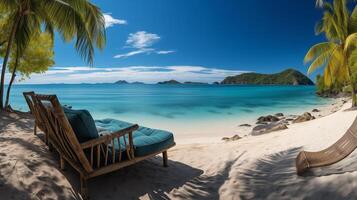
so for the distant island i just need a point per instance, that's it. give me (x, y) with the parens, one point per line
(121, 82)
(195, 83)
(168, 82)
(126, 82)
(173, 82)
(286, 77)
(137, 83)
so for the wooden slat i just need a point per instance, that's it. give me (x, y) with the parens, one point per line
(91, 155)
(63, 133)
(108, 137)
(119, 149)
(98, 155)
(127, 148)
(131, 143)
(116, 166)
(113, 152)
(106, 155)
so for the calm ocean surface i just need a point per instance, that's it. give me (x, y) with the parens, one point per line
(185, 109)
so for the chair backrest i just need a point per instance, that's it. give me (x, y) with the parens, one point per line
(29, 97)
(60, 132)
(29, 101)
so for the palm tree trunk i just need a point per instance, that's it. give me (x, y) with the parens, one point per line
(353, 88)
(13, 75)
(354, 98)
(6, 58)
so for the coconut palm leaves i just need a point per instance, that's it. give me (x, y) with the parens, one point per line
(339, 53)
(70, 18)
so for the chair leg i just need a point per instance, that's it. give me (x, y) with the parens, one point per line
(165, 158)
(62, 163)
(35, 130)
(84, 188)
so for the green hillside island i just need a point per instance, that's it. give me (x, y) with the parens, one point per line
(286, 77)
(170, 82)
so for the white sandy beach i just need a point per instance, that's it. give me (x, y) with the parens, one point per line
(254, 167)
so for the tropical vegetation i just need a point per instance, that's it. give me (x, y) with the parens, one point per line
(36, 59)
(25, 20)
(286, 77)
(338, 55)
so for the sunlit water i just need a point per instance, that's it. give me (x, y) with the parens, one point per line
(187, 110)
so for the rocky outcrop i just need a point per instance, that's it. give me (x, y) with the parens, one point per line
(304, 117)
(279, 114)
(267, 128)
(230, 139)
(266, 119)
(245, 125)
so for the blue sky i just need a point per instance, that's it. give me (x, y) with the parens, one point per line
(200, 40)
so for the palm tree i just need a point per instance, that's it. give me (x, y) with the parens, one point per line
(337, 55)
(36, 58)
(70, 18)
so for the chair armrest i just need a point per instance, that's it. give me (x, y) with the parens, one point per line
(109, 137)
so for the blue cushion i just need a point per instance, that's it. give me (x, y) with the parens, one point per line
(146, 140)
(82, 124)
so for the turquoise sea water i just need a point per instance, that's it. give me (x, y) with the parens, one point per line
(186, 109)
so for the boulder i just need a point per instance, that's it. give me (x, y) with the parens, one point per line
(268, 128)
(303, 118)
(315, 110)
(279, 114)
(245, 125)
(285, 121)
(268, 118)
(234, 138)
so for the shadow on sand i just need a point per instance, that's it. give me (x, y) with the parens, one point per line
(25, 122)
(274, 177)
(147, 178)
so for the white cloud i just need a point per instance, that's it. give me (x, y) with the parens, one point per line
(142, 42)
(147, 74)
(165, 52)
(132, 53)
(142, 39)
(110, 21)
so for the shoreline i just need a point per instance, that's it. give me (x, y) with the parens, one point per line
(243, 131)
(255, 167)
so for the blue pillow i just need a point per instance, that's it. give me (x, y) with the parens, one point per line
(82, 124)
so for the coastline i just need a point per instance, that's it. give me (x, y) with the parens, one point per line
(226, 170)
(243, 131)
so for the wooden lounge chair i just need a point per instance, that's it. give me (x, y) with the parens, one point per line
(335, 153)
(95, 157)
(39, 122)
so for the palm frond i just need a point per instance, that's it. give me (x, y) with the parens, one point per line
(76, 19)
(8, 5)
(351, 42)
(318, 49)
(29, 25)
(352, 61)
(328, 76)
(320, 61)
(337, 66)
(353, 21)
